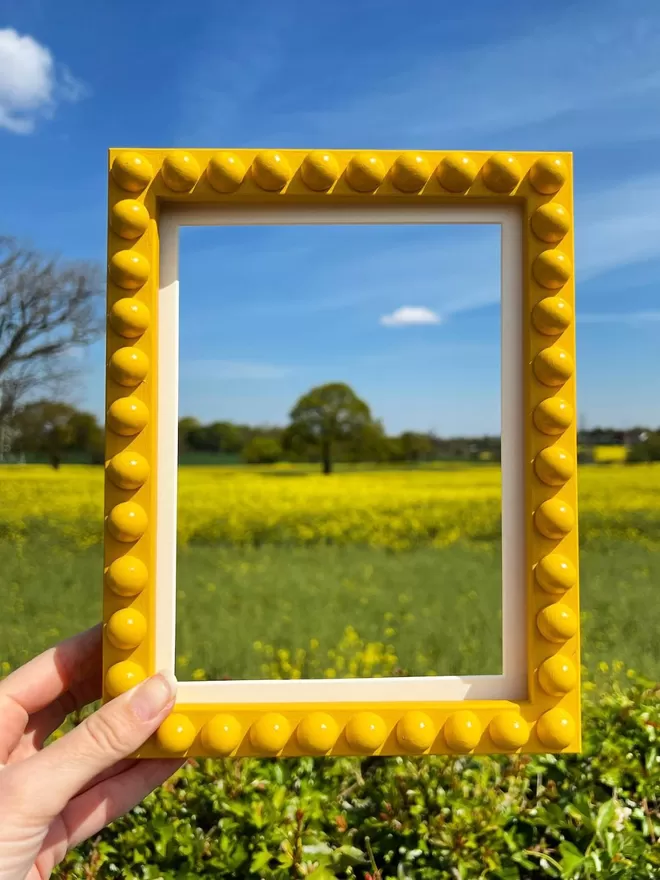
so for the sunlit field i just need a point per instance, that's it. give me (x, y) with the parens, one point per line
(296, 506)
(286, 573)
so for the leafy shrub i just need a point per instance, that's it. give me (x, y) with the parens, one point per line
(262, 450)
(592, 815)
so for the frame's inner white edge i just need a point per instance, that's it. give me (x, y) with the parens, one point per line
(512, 684)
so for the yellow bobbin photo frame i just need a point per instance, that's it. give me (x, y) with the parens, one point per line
(534, 706)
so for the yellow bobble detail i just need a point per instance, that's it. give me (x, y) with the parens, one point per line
(128, 470)
(317, 733)
(551, 222)
(128, 366)
(509, 730)
(552, 269)
(557, 622)
(127, 416)
(557, 675)
(410, 172)
(127, 521)
(554, 519)
(502, 173)
(319, 170)
(129, 219)
(552, 315)
(462, 731)
(556, 729)
(222, 734)
(553, 416)
(225, 172)
(554, 466)
(415, 732)
(129, 270)
(271, 171)
(129, 317)
(127, 576)
(126, 629)
(131, 171)
(122, 676)
(366, 732)
(553, 366)
(365, 172)
(548, 174)
(555, 573)
(457, 173)
(180, 171)
(176, 734)
(270, 733)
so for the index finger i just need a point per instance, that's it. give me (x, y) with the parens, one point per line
(43, 680)
(49, 675)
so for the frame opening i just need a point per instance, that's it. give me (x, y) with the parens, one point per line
(463, 686)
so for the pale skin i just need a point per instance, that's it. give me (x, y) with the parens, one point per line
(53, 798)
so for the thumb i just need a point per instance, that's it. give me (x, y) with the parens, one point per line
(53, 776)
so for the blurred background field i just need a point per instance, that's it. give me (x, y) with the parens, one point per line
(286, 573)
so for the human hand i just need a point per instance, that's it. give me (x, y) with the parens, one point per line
(54, 798)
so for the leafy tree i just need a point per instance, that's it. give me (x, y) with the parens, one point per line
(395, 449)
(187, 425)
(47, 310)
(415, 446)
(296, 445)
(647, 449)
(52, 428)
(327, 415)
(225, 437)
(369, 443)
(262, 450)
(86, 435)
(216, 437)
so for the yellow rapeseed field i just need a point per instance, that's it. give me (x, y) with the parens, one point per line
(386, 508)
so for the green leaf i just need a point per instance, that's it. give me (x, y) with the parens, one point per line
(348, 856)
(605, 817)
(260, 860)
(571, 858)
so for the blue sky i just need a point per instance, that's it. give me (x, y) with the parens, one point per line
(266, 313)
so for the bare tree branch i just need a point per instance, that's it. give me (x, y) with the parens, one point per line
(46, 309)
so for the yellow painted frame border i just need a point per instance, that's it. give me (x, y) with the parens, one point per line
(541, 184)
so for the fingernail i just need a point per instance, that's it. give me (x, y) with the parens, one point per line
(151, 697)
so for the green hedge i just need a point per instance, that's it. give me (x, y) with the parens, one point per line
(594, 815)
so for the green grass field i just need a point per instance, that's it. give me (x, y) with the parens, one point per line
(427, 609)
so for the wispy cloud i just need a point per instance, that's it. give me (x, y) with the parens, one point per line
(232, 370)
(450, 269)
(31, 82)
(619, 318)
(618, 226)
(450, 92)
(606, 63)
(605, 91)
(407, 316)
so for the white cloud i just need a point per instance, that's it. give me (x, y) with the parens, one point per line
(31, 82)
(221, 369)
(409, 315)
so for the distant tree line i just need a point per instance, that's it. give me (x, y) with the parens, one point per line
(328, 424)
(642, 444)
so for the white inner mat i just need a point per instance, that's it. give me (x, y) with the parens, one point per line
(512, 684)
